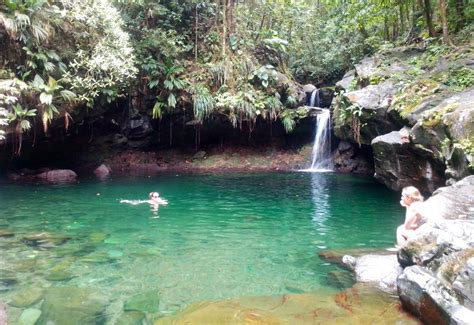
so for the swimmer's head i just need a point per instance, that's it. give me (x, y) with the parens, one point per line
(153, 195)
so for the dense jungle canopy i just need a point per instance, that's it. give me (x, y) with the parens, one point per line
(239, 60)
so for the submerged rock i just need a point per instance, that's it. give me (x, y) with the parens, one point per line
(26, 297)
(131, 318)
(45, 239)
(3, 314)
(6, 233)
(29, 316)
(148, 301)
(72, 306)
(358, 305)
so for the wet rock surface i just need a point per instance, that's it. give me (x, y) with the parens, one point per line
(69, 305)
(437, 281)
(381, 270)
(358, 305)
(401, 163)
(348, 158)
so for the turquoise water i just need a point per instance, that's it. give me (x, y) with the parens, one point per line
(221, 236)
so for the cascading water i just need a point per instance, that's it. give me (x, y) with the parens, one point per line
(314, 100)
(321, 155)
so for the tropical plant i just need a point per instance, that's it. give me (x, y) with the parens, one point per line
(19, 118)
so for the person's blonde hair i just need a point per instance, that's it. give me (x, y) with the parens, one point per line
(413, 193)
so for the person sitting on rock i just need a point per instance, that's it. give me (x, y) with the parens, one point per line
(412, 200)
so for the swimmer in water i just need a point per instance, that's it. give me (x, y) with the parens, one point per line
(154, 199)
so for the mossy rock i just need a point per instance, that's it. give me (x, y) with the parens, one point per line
(45, 239)
(131, 318)
(26, 297)
(147, 301)
(72, 306)
(6, 233)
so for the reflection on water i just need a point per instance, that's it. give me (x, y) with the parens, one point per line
(221, 236)
(320, 198)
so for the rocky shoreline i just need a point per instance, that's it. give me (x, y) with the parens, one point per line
(433, 273)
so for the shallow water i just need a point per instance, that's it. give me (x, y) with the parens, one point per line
(221, 236)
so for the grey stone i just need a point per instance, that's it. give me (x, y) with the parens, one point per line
(399, 164)
(58, 176)
(29, 316)
(103, 171)
(346, 80)
(130, 318)
(45, 239)
(367, 67)
(26, 297)
(199, 155)
(425, 296)
(309, 88)
(148, 301)
(381, 270)
(72, 306)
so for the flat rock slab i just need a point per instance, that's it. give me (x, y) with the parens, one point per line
(358, 305)
(380, 270)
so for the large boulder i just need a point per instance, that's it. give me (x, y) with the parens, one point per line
(58, 176)
(428, 298)
(102, 172)
(438, 286)
(399, 163)
(361, 115)
(380, 270)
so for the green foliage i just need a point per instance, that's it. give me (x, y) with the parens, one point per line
(433, 118)
(290, 117)
(107, 59)
(460, 78)
(467, 145)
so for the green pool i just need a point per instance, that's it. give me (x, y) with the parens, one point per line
(221, 236)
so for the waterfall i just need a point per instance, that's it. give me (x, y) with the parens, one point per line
(321, 156)
(314, 100)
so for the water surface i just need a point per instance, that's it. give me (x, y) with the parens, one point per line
(221, 236)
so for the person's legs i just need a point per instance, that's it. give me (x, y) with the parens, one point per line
(403, 235)
(400, 238)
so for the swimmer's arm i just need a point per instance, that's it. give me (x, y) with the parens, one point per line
(163, 202)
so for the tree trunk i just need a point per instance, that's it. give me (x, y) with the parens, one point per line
(428, 17)
(196, 36)
(171, 131)
(444, 21)
(402, 23)
(231, 16)
(224, 27)
(461, 18)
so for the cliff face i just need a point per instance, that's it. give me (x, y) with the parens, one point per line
(415, 107)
